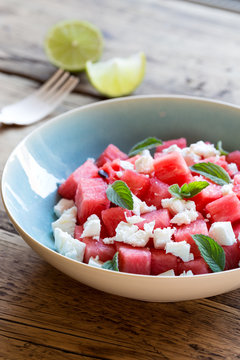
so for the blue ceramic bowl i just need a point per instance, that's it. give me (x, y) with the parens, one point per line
(49, 154)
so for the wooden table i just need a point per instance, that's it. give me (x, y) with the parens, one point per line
(43, 313)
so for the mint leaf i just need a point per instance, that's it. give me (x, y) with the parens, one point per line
(111, 264)
(187, 190)
(212, 171)
(148, 143)
(120, 194)
(175, 191)
(211, 252)
(220, 148)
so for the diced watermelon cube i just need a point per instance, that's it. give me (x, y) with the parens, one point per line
(221, 161)
(78, 231)
(161, 262)
(112, 176)
(161, 218)
(232, 255)
(91, 198)
(234, 157)
(236, 185)
(133, 159)
(226, 208)
(134, 260)
(184, 232)
(157, 191)
(138, 183)
(236, 229)
(210, 193)
(198, 266)
(109, 154)
(69, 187)
(181, 143)
(97, 248)
(112, 217)
(172, 169)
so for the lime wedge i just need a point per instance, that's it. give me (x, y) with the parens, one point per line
(118, 76)
(70, 44)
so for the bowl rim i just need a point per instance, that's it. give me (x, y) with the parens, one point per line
(99, 104)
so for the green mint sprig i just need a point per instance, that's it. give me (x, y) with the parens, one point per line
(120, 194)
(112, 264)
(148, 143)
(212, 171)
(220, 148)
(211, 252)
(187, 190)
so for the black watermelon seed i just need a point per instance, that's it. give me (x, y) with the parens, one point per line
(103, 174)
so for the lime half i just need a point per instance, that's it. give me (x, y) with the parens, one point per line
(118, 76)
(70, 44)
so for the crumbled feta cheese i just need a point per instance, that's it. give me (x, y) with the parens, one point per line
(187, 273)
(130, 234)
(180, 249)
(202, 149)
(227, 189)
(232, 167)
(63, 205)
(126, 165)
(109, 241)
(172, 148)
(176, 206)
(162, 236)
(119, 174)
(133, 219)
(95, 262)
(222, 233)
(140, 207)
(189, 156)
(185, 217)
(144, 164)
(68, 246)
(148, 228)
(92, 227)
(67, 221)
(167, 273)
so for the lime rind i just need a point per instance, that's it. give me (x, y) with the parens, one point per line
(70, 44)
(119, 76)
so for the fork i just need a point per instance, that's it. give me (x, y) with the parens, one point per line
(42, 102)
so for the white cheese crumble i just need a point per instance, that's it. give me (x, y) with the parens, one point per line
(126, 165)
(63, 205)
(133, 219)
(95, 262)
(67, 221)
(189, 156)
(184, 211)
(167, 273)
(171, 149)
(187, 273)
(144, 164)
(162, 236)
(233, 168)
(140, 207)
(119, 174)
(180, 249)
(200, 148)
(68, 246)
(92, 227)
(222, 233)
(227, 189)
(185, 217)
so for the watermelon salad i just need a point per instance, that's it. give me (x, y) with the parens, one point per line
(174, 211)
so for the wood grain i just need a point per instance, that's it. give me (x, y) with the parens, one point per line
(43, 313)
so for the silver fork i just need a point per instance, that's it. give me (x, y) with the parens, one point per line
(42, 102)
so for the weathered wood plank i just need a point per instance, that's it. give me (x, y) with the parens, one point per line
(39, 304)
(190, 49)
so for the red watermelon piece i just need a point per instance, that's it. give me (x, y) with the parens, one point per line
(221, 161)
(109, 154)
(207, 195)
(112, 176)
(236, 229)
(226, 208)
(184, 232)
(161, 262)
(112, 217)
(161, 218)
(138, 183)
(68, 189)
(181, 143)
(197, 266)
(78, 231)
(134, 260)
(97, 248)
(236, 185)
(157, 191)
(172, 169)
(234, 157)
(232, 255)
(91, 198)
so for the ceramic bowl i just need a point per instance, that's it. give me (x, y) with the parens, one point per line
(49, 154)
